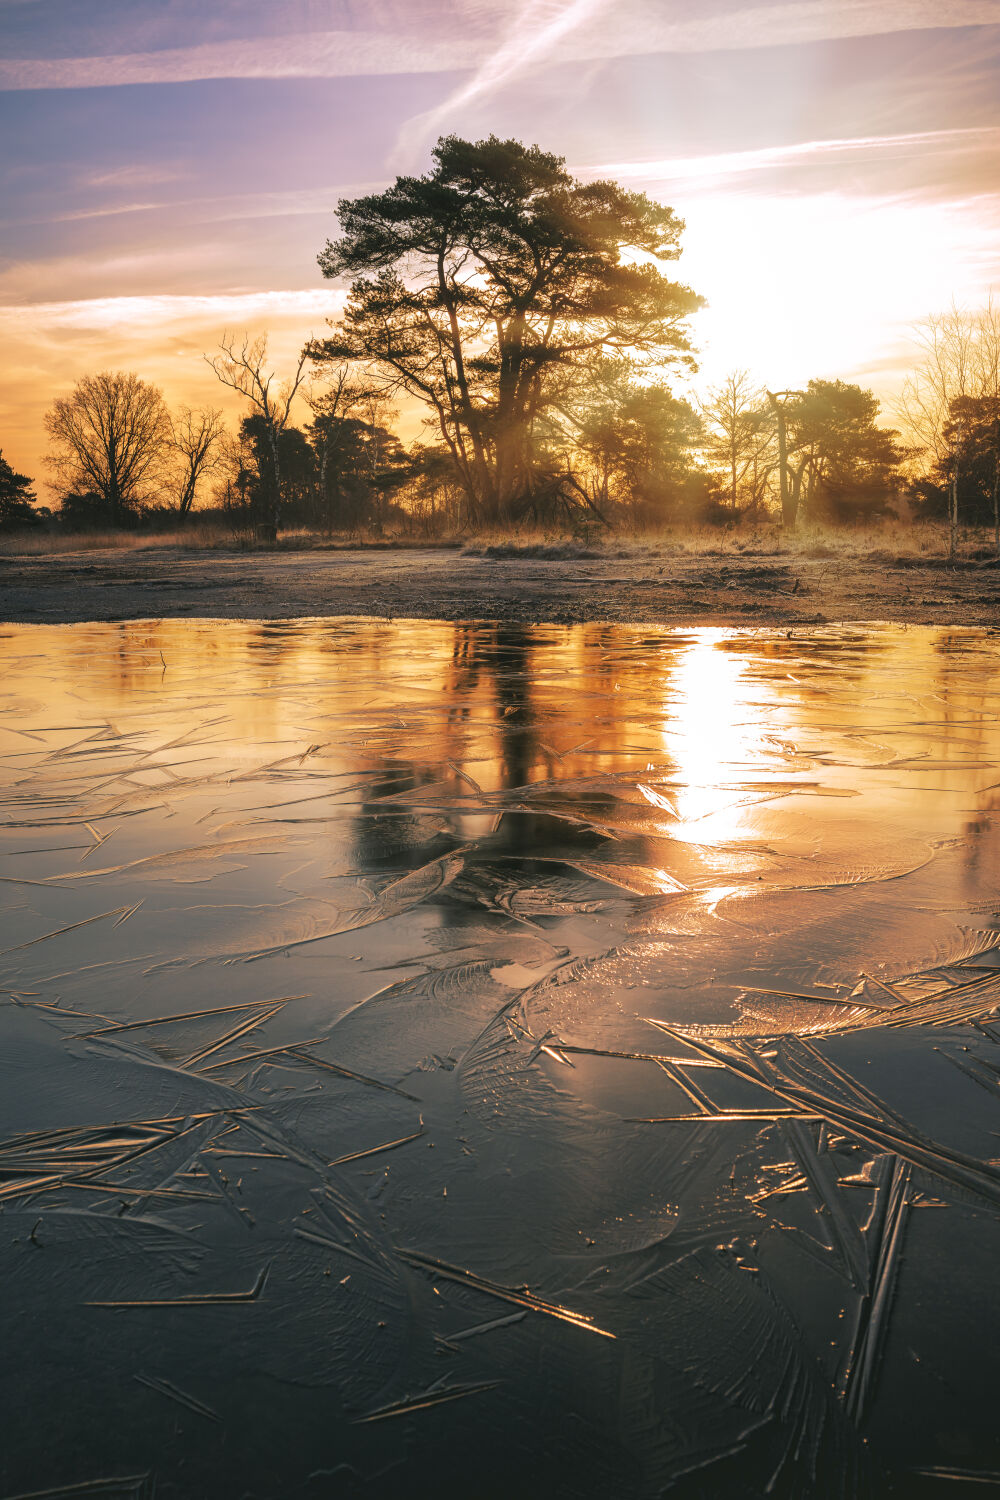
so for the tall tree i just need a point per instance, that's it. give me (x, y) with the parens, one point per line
(639, 443)
(16, 498)
(259, 451)
(197, 441)
(335, 435)
(242, 365)
(958, 362)
(434, 496)
(957, 357)
(112, 436)
(479, 282)
(838, 456)
(972, 461)
(740, 437)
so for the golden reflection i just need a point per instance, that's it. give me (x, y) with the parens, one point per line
(692, 735)
(714, 722)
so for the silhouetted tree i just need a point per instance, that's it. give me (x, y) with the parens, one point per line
(840, 461)
(740, 438)
(197, 437)
(334, 436)
(336, 442)
(970, 462)
(85, 510)
(434, 496)
(481, 286)
(958, 361)
(958, 356)
(16, 498)
(263, 456)
(112, 436)
(640, 443)
(241, 364)
(661, 434)
(360, 463)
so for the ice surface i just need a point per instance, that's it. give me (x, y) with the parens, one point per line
(480, 1060)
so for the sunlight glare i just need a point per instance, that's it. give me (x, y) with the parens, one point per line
(712, 735)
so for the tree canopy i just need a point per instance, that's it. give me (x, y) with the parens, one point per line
(197, 438)
(111, 435)
(971, 458)
(492, 285)
(839, 455)
(16, 498)
(241, 364)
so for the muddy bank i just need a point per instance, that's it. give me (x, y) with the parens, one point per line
(445, 584)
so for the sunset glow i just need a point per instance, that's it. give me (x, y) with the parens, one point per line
(175, 172)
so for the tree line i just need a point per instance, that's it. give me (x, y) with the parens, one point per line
(530, 320)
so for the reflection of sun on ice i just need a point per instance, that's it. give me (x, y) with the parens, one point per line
(713, 732)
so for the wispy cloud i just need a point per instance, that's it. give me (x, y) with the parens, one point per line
(534, 33)
(544, 30)
(48, 346)
(711, 168)
(138, 316)
(804, 21)
(218, 209)
(317, 54)
(141, 174)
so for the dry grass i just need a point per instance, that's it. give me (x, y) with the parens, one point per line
(200, 539)
(57, 543)
(875, 544)
(879, 543)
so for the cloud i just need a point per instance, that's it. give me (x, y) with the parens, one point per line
(455, 39)
(139, 175)
(48, 346)
(218, 209)
(318, 54)
(138, 316)
(728, 164)
(534, 34)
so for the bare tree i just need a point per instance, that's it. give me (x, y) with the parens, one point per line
(958, 361)
(988, 380)
(241, 364)
(943, 373)
(197, 439)
(112, 435)
(340, 391)
(741, 435)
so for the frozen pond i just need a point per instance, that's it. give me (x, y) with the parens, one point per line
(468, 1060)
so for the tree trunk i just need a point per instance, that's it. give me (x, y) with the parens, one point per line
(953, 509)
(114, 496)
(996, 489)
(789, 499)
(276, 503)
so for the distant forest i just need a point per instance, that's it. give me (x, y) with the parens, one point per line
(529, 320)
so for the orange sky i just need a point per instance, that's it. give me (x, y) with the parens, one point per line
(175, 167)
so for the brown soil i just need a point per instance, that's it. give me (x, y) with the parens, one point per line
(767, 588)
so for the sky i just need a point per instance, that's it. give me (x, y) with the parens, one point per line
(171, 168)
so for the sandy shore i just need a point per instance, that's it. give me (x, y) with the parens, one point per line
(728, 588)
